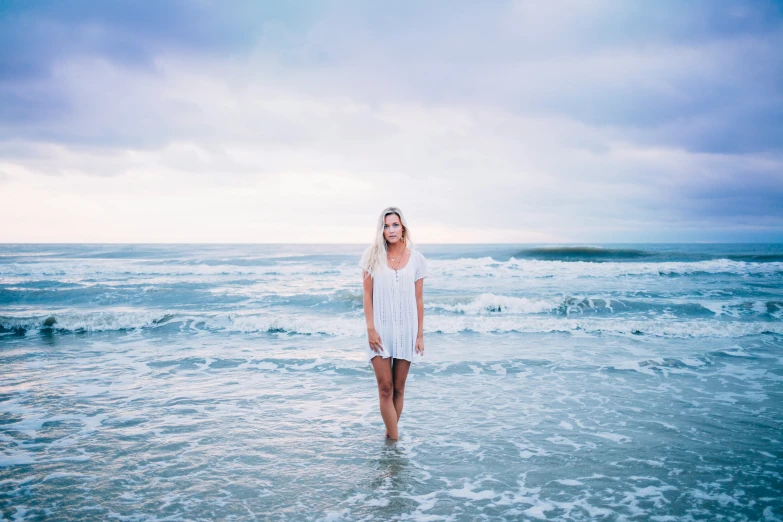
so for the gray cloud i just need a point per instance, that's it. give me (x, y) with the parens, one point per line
(621, 117)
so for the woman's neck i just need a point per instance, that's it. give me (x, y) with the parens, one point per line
(395, 250)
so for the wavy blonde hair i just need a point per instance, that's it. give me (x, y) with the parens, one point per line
(375, 255)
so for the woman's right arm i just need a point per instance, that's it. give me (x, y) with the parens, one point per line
(372, 334)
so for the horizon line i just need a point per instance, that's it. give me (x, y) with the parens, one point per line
(586, 243)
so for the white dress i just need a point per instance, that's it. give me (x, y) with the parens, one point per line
(394, 308)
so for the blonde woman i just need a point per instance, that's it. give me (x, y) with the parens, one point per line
(393, 275)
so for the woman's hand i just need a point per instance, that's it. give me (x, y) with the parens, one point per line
(375, 340)
(420, 344)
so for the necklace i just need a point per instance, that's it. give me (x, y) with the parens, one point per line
(396, 265)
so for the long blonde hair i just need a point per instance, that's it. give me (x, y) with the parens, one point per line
(375, 256)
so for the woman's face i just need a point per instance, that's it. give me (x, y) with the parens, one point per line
(392, 228)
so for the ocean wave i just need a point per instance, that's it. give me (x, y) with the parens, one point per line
(489, 267)
(623, 327)
(118, 320)
(492, 304)
(581, 253)
(88, 321)
(335, 326)
(102, 269)
(669, 308)
(758, 258)
(743, 307)
(128, 274)
(354, 326)
(488, 303)
(599, 254)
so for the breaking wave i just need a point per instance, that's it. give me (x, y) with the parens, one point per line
(491, 303)
(536, 268)
(353, 326)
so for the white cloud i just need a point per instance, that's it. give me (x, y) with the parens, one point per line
(515, 135)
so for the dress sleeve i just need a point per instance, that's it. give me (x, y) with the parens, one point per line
(421, 267)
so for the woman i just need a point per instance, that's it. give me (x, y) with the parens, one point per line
(393, 274)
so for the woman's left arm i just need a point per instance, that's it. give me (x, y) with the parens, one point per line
(420, 310)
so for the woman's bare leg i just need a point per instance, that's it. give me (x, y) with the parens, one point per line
(399, 375)
(383, 374)
(400, 369)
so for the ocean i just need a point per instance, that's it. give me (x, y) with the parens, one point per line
(228, 382)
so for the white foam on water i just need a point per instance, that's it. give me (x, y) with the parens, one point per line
(724, 499)
(470, 491)
(666, 425)
(769, 515)
(625, 327)
(569, 482)
(564, 441)
(499, 369)
(655, 494)
(335, 326)
(488, 303)
(352, 324)
(692, 362)
(737, 351)
(539, 510)
(527, 450)
(715, 308)
(16, 459)
(426, 502)
(89, 321)
(65, 474)
(633, 366)
(487, 266)
(615, 437)
(655, 463)
(377, 502)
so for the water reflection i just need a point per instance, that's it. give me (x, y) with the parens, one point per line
(391, 467)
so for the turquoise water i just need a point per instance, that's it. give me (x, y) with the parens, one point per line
(195, 382)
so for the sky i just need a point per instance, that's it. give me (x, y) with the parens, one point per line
(298, 122)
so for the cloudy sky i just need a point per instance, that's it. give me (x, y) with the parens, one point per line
(499, 121)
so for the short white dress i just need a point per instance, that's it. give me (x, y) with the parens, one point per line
(394, 308)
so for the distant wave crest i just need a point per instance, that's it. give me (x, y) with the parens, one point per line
(581, 253)
(595, 253)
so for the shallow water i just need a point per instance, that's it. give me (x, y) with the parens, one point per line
(639, 382)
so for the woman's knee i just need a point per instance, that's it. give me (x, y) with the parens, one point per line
(386, 390)
(399, 390)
